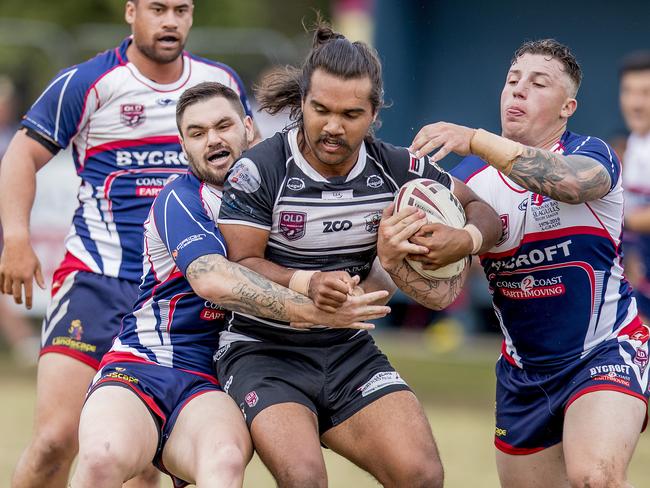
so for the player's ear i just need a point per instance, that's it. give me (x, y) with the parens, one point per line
(249, 126)
(569, 107)
(129, 12)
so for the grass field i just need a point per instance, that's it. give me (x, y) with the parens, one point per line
(457, 391)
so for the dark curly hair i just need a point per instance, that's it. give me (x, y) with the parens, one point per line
(554, 50)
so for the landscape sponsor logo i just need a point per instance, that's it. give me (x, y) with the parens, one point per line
(150, 158)
(529, 287)
(292, 225)
(73, 340)
(500, 432)
(534, 256)
(132, 114)
(118, 375)
(379, 381)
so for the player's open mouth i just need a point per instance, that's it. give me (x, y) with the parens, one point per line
(169, 40)
(331, 145)
(217, 157)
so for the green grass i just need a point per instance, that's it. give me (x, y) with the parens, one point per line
(457, 389)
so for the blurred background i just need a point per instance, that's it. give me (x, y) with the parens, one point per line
(443, 60)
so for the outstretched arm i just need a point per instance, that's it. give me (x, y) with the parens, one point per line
(566, 178)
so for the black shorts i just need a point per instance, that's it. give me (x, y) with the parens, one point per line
(334, 381)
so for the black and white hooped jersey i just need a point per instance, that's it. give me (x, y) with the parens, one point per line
(315, 223)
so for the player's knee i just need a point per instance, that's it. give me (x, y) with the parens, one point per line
(98, 466)
(54, 446)
(602, 475)
(225, 461)
(302, 474)
(422, 473)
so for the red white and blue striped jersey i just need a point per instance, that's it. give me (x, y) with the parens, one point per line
(556, 275)
(122, 129)
(170, 324)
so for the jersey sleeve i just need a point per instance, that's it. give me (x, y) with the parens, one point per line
(404, 166)
(250, 188)
(599, 150)
(185, 228)
(64, 106)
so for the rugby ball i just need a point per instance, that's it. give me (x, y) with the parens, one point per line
(440, 206)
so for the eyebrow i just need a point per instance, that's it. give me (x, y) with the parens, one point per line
(534, 73)
(347, 110)
(200, 126)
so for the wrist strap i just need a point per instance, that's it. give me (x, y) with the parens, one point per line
(498, 151)
(300, 280)
(477, 237)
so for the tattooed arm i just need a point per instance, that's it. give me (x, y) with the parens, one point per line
(565, 178)
(568, 179)
(433, 294)
(238, 288)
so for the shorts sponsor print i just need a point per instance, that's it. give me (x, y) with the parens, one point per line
(530, 405)
(165, 392)
(85, 315)
(334, 381)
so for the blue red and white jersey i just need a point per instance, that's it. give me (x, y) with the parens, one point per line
(171, 325)
(122, 129)
(636, 182)
(556, 275)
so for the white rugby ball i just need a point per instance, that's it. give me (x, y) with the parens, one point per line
(441, 206)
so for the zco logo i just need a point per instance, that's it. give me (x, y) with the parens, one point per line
(336, 225)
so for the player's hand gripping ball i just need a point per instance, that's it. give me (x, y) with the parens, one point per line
(440, 206)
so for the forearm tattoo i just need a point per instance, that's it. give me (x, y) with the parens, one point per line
(571, 180)
(434, 294)
(248, 291)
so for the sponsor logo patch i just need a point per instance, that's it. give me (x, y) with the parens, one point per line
(373, 220)
(165, 102)
(295, 184)
(337, 195)
(336, 225)
(220, 352)
(292, 225)
(212, 311)
(76, 330)
(251, 398)
(226, 387)
(505, 229)
(416, 166)
(245, 176)
(150, 158)
(374, 181)
(379, 381)
(132, 114)
(530, 287)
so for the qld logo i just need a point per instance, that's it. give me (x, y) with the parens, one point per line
(132, 114)
(292, 225)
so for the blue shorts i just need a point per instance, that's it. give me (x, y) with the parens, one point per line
(85, 314)
(530, 406)
(165, 391)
